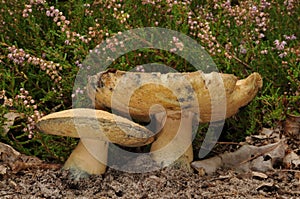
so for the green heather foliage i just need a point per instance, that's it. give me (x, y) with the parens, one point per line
(43, 44)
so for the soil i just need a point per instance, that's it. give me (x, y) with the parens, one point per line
(166, 183)
(28, 177)
(50, 181)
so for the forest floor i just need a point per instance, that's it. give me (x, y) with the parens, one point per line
(28, 177)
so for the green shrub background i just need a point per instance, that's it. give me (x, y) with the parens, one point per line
(43, 43)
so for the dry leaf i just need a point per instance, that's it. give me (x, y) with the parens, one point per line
(245, 159)
(267, 132)
(11, 118)
(269, 159)
(15, 161)
(7, 153)
(292, 160)
(259, 175)
(267, 187)
(3, 170)
(208, 165)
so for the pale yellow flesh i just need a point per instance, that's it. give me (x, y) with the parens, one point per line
(89, 156)
(174, 141)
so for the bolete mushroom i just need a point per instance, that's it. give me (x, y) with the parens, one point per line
(95, 128)
(182, 95)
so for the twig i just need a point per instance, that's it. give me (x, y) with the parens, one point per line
(18, 166)
(223, 195)
(290, 192)
(228, 143)
(54, 109)
(289, 170)
(234, 57)
(7, 194)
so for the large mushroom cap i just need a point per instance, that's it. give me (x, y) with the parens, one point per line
(138, 92)
(96, 124)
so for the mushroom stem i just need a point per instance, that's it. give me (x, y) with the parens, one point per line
(174, 142)
(89, 156)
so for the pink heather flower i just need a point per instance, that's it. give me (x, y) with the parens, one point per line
(264, 4)
(287, 37)
(29, 119)
(254, 8)
(279, 45)
(78, 90)
(179, 45)
(281, 55)
(175, 39)
(172, 50)
(264, 52)
(261, 35)
(243, 50)
(292, 37)
(226, 4)
(140, 68)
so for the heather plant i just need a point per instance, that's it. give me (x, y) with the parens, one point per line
(43, 45)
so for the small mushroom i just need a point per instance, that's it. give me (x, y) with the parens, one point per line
(182, 95)
(95, 128)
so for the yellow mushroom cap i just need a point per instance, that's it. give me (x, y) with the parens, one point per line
(205, 93)
(95, 124)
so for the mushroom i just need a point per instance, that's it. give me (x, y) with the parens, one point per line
(183, 97)
(95, 128)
